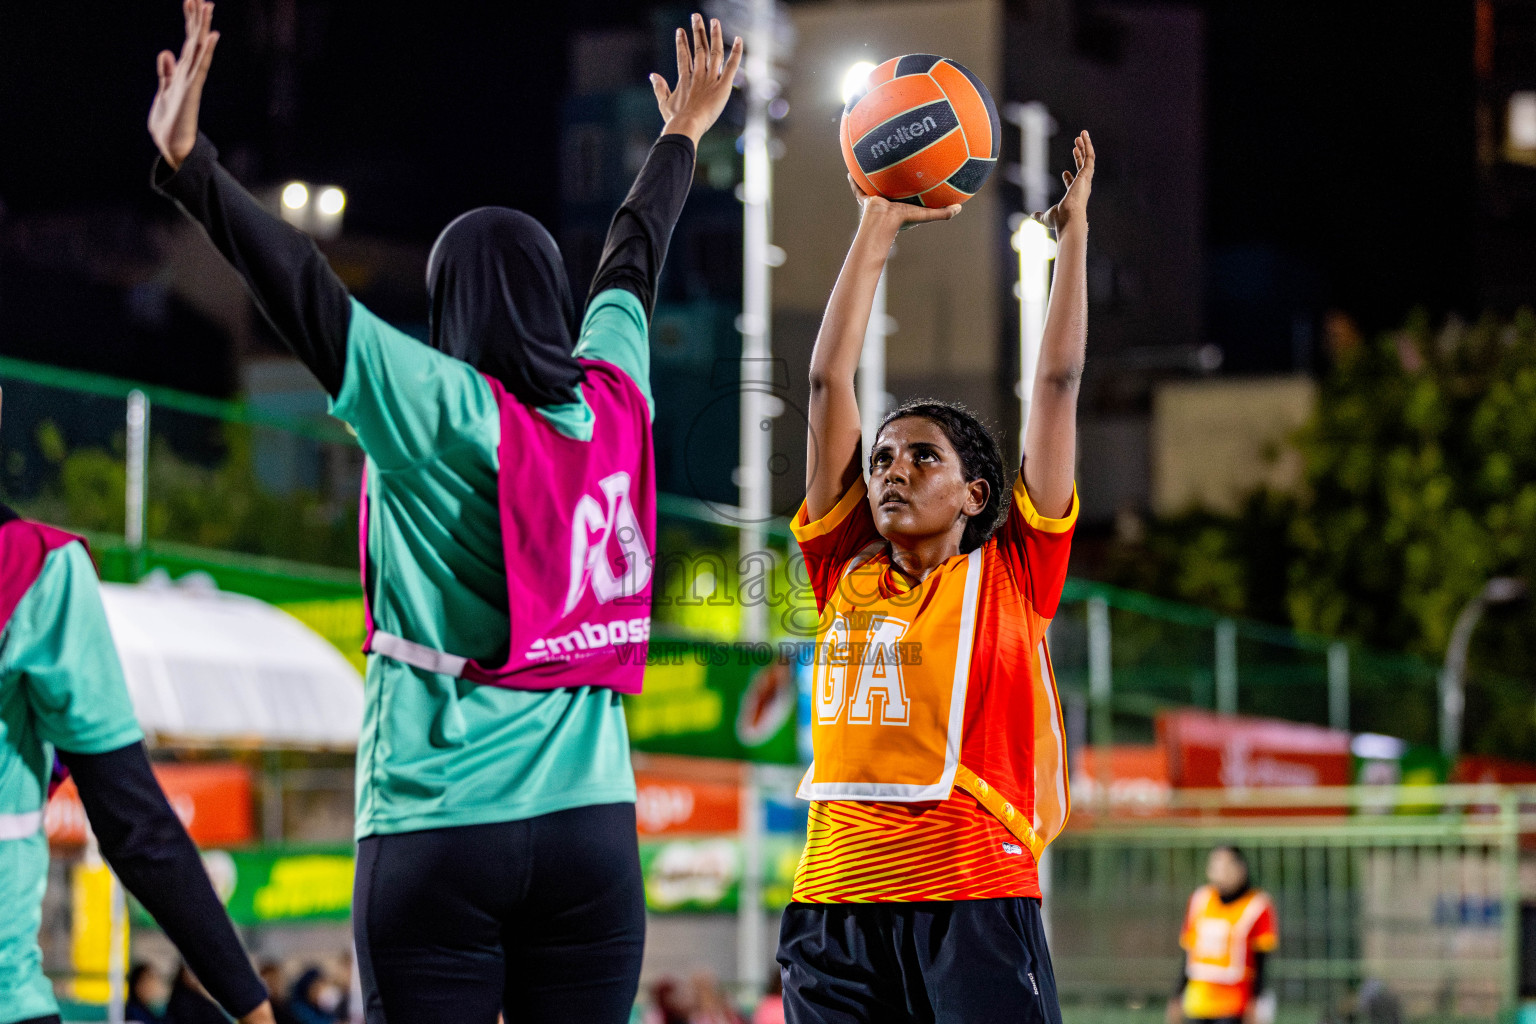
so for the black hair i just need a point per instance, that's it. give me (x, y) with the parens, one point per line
(1237, 854)
(980, 459)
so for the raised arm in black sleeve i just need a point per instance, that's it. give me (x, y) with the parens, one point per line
(642, 229)
(291, 282)
(144, 841)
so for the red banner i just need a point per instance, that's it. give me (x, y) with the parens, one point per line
(1210, 751)
(668, 805)
(213, 801)
(1137, 776)
(1476, 769)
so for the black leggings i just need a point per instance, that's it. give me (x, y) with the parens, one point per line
(544, 918)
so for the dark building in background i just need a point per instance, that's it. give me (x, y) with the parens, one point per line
(608, 123)
(1134, 75)
(1264, 167)
(1505, 64)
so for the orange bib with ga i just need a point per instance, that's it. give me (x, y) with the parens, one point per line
(891, 674)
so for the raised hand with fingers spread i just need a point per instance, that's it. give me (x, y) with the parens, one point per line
(173, 116)
(1073, 208)
(704, 78)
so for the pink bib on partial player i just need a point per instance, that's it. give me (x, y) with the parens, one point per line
(24, 547)
(578, 532)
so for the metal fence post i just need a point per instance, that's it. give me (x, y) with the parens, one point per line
(1338, 685)
(749, 908)
(273, 813)
(1226, 667)
(135, 472)
(117, 967)
(1100, 692)
(1509, 917)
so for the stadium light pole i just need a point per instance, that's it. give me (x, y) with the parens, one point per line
(136, 474)
(871, 377)
(1453, 694)
(756, 442)
(757, 378)
(1033, 243)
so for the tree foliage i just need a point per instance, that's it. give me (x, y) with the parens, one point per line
(218, 503)
(1419, 486)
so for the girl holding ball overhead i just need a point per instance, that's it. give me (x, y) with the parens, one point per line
(938, 781)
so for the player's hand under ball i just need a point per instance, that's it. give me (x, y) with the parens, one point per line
(877, 211)
(704, 77)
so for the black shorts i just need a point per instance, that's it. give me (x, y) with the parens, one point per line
(960, 962)
(544, 918)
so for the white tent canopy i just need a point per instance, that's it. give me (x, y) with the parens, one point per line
(216, 669)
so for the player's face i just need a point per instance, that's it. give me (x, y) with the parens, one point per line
(917, 488)
(1225, 871)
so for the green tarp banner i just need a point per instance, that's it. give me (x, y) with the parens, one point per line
(302, 884)
(728, 700)
(705, 874)
(280, 884)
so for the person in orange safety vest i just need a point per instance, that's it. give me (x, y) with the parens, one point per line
(1229, 931)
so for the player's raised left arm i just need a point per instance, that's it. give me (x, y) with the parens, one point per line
(1050, 439)
(641, 231)
(704, 77)
(287, 277)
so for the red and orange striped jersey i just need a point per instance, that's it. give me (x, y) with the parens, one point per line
(1010, 743)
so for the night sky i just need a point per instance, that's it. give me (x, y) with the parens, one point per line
(1338, 133)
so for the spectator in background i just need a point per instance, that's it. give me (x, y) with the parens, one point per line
(189, 1002)
(315, 998)
(771, 1009)
(710, 1004)
(1229, 932)
(669, 1003)
(147, 994)
(272, 976)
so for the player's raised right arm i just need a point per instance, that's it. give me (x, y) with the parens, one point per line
(833, 443)
(287, 276)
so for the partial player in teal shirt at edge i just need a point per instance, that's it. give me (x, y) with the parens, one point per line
(62, 692)
(60, 686)
(497, 858)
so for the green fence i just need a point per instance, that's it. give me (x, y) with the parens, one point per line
(1424, 902)
(262, 495)
(1124, 656)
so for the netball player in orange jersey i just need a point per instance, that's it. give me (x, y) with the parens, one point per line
(939, 770)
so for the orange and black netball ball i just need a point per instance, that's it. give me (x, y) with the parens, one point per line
(923, 130)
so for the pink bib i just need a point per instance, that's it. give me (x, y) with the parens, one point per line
(24, 547)
(578, 534)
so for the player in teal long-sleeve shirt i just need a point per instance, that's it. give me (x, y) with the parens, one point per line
(497, 859)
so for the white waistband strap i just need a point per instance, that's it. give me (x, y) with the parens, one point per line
(417, 656)
(20, 826)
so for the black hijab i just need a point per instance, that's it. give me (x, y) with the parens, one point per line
(501, 303)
